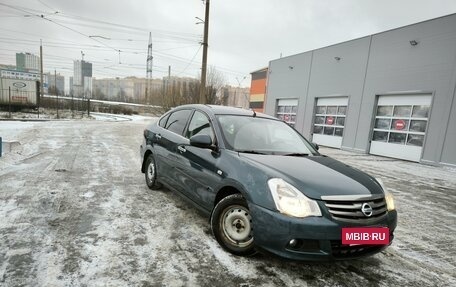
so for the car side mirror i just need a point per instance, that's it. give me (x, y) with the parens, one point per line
(202, 141)
(315, 145)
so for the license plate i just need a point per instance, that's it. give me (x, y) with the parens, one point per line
(365, 235)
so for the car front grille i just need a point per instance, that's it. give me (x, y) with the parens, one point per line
(345, 251)
(340, 250)
(350, 211)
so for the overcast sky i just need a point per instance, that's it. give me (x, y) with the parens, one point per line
(244, 35)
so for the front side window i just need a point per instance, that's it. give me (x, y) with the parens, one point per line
(177, 121)
(267, 136)
(199, 125)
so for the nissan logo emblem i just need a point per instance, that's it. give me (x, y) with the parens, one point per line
(366, 209)
(19, 85)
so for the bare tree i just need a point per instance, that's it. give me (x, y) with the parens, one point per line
(214, 87)
(176, 94)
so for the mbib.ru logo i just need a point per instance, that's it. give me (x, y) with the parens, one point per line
(366, 235)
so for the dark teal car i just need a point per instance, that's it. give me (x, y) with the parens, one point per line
(264, 186)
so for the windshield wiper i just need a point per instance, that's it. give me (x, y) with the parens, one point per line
(296, 154)
(250, 151)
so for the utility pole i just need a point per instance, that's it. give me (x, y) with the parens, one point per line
(202, 98)
(56, 93)
(41, 77)
(9, 102)
(168, 85)
(72, 104)
(150, 60)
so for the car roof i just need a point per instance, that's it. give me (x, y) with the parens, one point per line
(224, 110)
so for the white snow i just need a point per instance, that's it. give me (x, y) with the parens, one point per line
(10, 130)
(75, 211)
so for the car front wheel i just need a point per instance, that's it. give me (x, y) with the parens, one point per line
(151, 173)
(231, 224)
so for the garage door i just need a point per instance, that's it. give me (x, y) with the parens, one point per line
(329, 121)
(286, 110)
(400, 126)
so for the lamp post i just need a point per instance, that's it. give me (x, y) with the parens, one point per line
(239, 87)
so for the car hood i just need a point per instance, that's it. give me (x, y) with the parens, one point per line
(317, 176)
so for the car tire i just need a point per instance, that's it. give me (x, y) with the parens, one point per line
(151, 173)
(231, 225)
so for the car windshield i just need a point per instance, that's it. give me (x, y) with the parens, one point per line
(262, 136)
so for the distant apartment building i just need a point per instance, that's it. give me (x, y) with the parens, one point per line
(54, 83)
(70, 82)
(130, 89)
(7, 67)
(27, 62)
(258, 89)
(82, 71)
(88, 87)
(177, 85)
(236, 96)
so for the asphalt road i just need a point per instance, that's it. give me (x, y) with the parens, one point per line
(74, 211)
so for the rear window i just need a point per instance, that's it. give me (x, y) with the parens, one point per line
(163, 120)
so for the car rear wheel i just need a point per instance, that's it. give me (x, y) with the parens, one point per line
(231, 224)
(151, 173)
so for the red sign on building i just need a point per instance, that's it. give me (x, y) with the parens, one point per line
(399, 124)
(329, 120)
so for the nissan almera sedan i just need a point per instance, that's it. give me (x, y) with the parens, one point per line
(264, 186)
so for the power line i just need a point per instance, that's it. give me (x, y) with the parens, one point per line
(34, 12)
(46, 5)
(176, 37)
(191, 61)
(52, 21)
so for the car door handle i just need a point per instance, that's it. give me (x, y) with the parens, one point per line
(181, 149)
(158, 136)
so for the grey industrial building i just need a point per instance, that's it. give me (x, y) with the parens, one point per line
(390, 94)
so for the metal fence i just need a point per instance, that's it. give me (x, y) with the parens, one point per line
(19, 104)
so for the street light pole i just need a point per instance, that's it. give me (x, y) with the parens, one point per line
(202, 98)
(56, 92)
(239, 87)
(41, 77)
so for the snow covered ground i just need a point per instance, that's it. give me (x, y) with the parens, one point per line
(74, 211)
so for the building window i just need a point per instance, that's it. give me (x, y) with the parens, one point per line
(330, 120)
(256, 105)
(287, 110)
(401, 124)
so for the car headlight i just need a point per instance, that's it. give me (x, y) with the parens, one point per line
(290, 201)
(389, 198)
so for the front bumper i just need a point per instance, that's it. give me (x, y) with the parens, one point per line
(319, 238)
(142, 151)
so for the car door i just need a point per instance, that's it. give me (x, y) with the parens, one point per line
(155, 139)
(199, 165)
(168, 140)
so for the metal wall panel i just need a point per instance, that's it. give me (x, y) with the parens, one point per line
(395, 66)
(382, 64)
(290, 81)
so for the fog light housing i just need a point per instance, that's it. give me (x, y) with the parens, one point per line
(304, 245)
(293, 243)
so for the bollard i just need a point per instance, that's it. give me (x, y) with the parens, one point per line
(1, 145)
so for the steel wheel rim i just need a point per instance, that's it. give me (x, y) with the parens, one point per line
(236, 224)
(150, 173)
